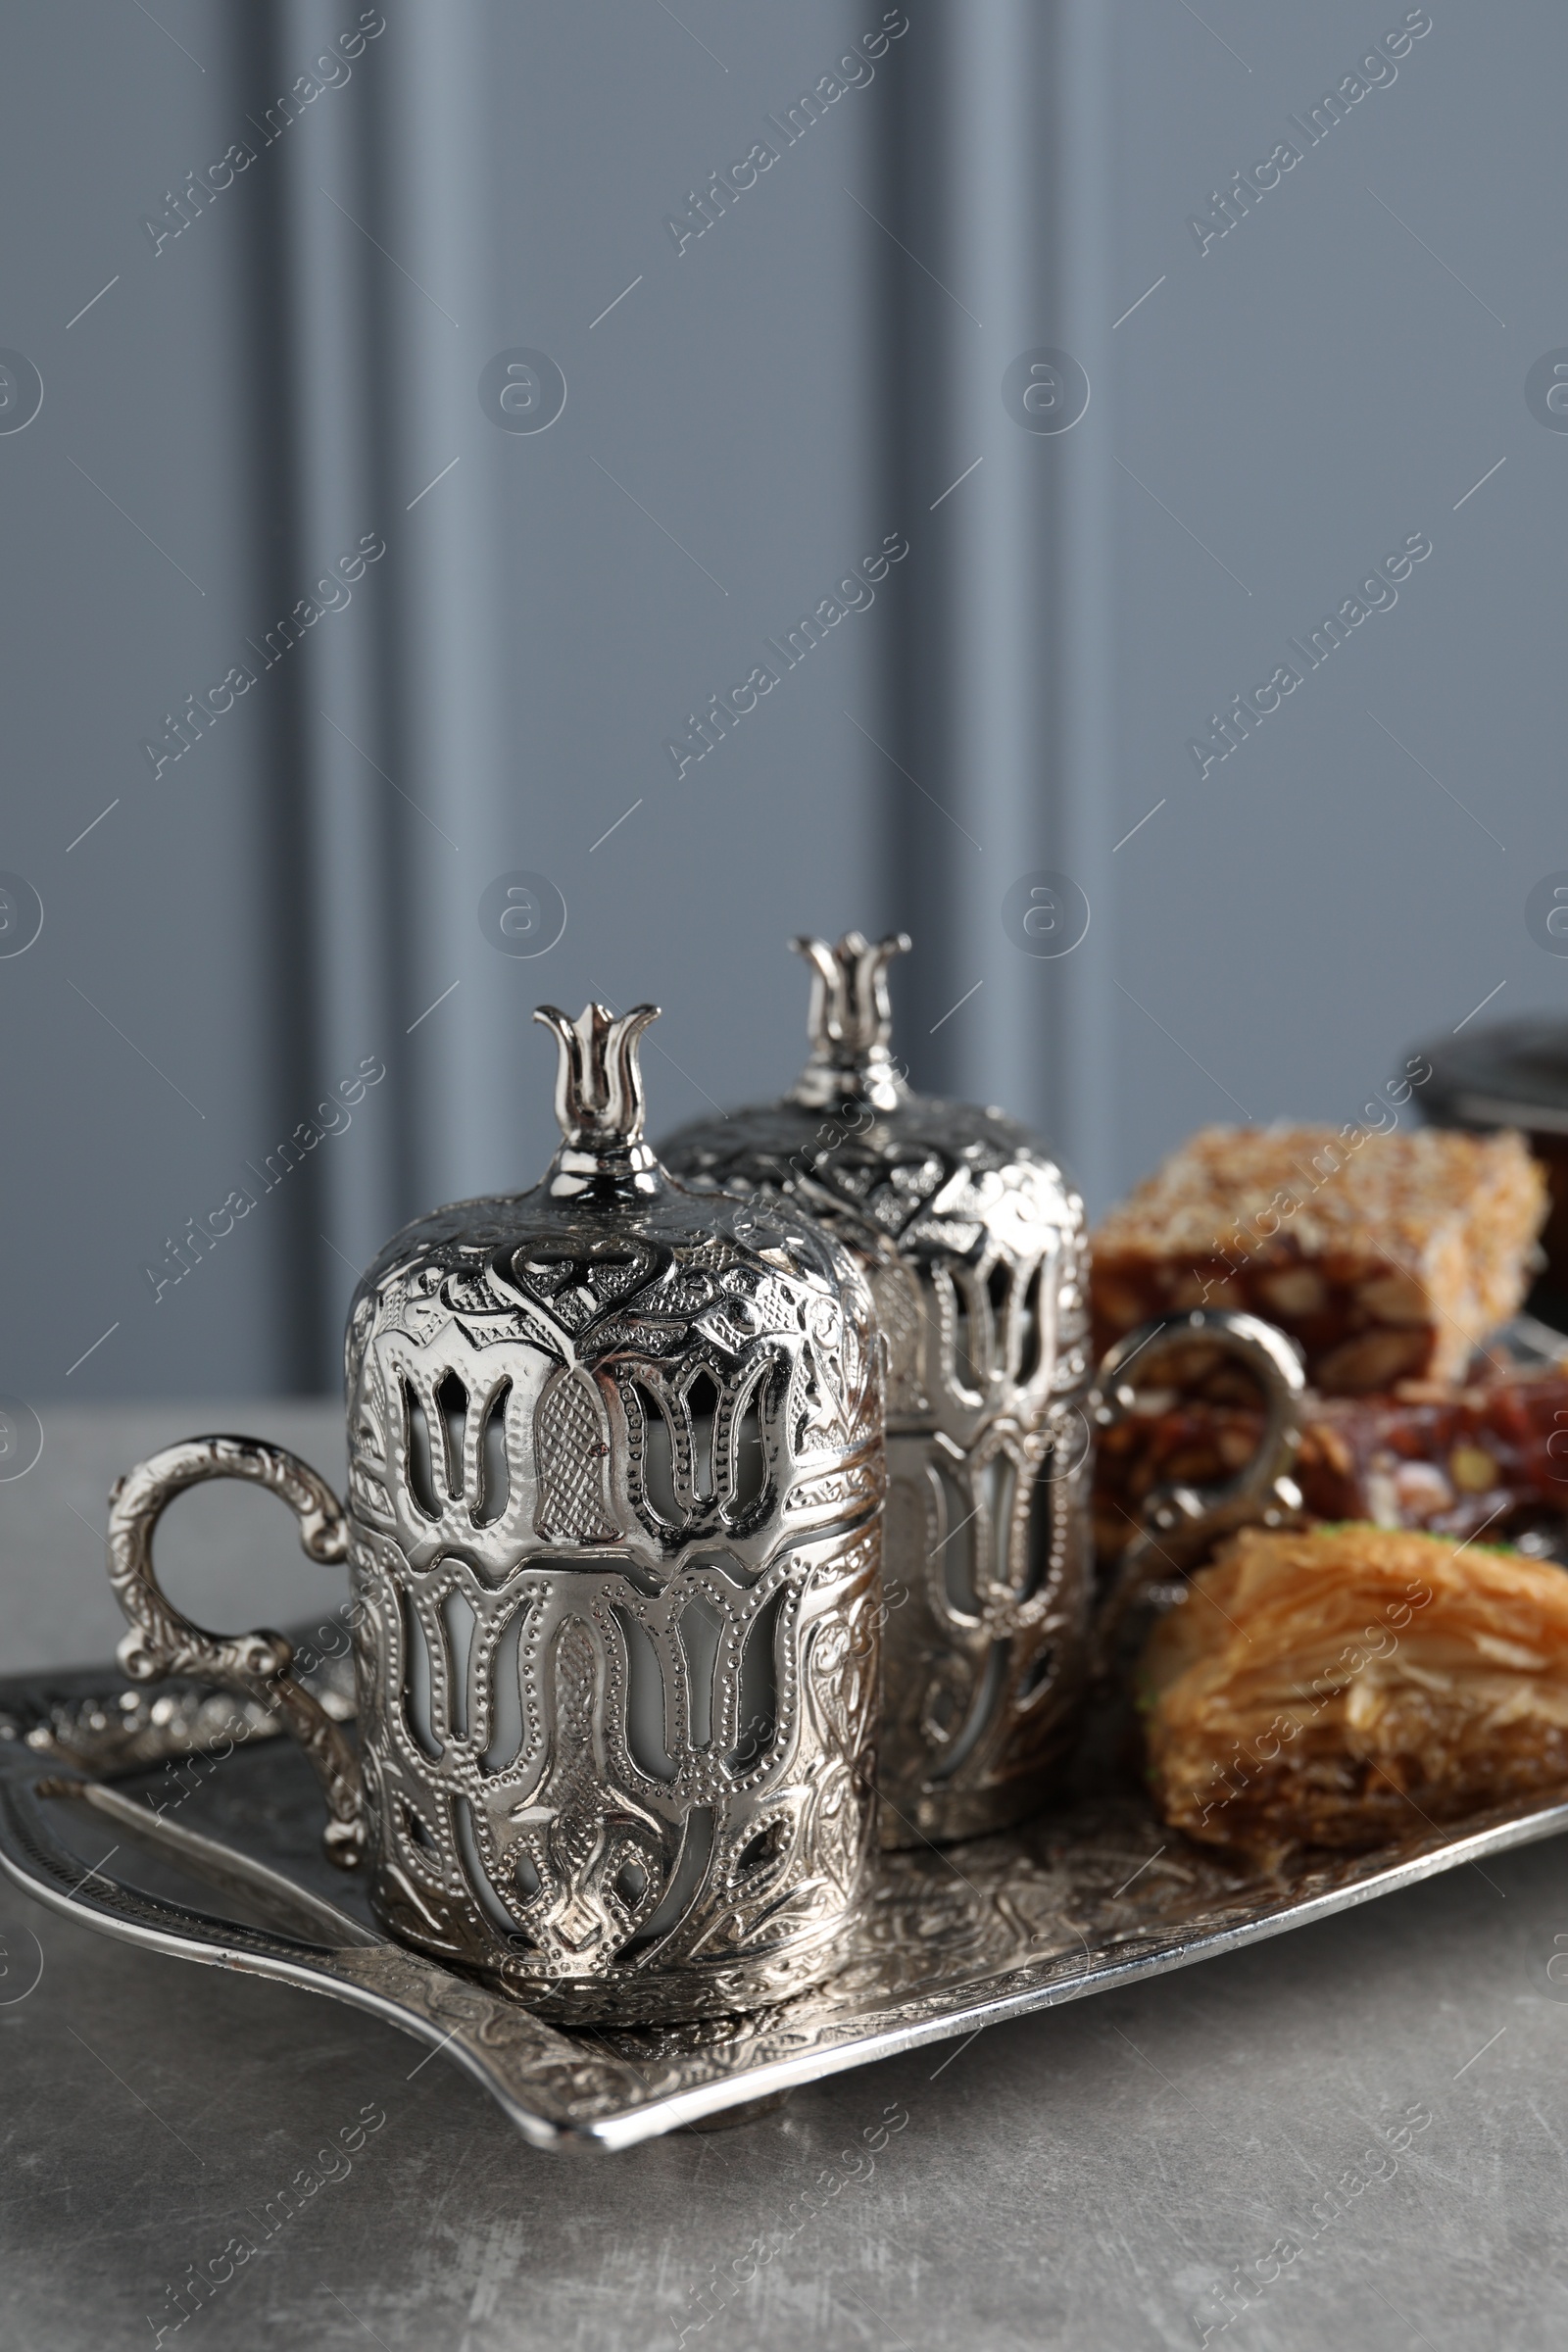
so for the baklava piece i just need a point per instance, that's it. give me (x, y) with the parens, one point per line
(1349, 1686)
(1386, 1256)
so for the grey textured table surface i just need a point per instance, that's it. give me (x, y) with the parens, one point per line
(1117, 2174)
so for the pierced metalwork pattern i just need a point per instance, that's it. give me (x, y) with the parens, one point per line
(973, 1243)
(616, 1485)
(615, 1482)
(616, 1740)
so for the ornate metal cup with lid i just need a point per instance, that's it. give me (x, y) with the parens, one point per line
(973, 1242)
(613, 1525)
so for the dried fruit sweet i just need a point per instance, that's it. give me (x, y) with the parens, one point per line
(1450, 1460)
(1347, 1685)
(1388, 1256)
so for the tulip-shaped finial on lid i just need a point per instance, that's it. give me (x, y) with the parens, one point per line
(598, 1097)
(851, 1019)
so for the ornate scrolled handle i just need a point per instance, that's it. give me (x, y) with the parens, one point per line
(163, 1642)
(1181, 1520)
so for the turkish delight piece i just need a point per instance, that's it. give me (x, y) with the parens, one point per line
(1445, 1458)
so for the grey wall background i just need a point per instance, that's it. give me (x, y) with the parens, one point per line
(1314, 387)
(300, 366)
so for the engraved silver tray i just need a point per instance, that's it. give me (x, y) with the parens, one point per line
(1093, 1895)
